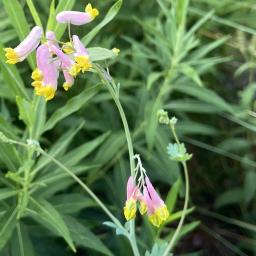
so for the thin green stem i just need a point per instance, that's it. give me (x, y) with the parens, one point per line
(109, 85)
(177, 231)
(185, 207)
(112, 87)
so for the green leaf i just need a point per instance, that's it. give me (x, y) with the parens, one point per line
(77, 154)
(9, 156)
(71, 106)
(26, 111)
(71, 203)
(12, 77)
(172, 195)
(34, 13)
(21, 245)
(177, 215)
(188, 228)
(205, 95)
(158, 249)
(178, 152)
(191, 73)
(7, 225)
(19, 22)
(64, 5)
(7, 192)
(231, 196)
(43, 211)
(39, 107)
(249, 186)
(98, 53)
(180, 11)
(59, 146)
(82, 236)
(51, 18)
(113, 11)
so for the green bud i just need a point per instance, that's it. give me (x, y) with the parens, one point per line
(173, 120)
(163, 117)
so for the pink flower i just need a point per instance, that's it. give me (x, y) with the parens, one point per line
(81, 54)
(46, 74)
(67, 62)
(130, 204)
(51, 39)
(78, 18)
(69, 80)
(157, 210)
(29, 44)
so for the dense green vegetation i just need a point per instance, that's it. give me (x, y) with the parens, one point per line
(196, 60)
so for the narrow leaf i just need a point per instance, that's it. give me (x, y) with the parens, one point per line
(71, 106)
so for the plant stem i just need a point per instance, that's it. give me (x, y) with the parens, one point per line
(185, 207)
(177, 231)
(109, 82)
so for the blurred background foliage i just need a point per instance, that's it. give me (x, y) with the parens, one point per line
(199, 65)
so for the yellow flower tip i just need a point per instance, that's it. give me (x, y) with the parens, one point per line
(11, 55)
(68, 48)
(162, 213)
(37, 75)
(37, 84)
(92, 11)
(83, 62)
(143, 208)
(67, 86)
(155, 220)
(130, 209)
(75, 70)
(48, 92)
(116, 51)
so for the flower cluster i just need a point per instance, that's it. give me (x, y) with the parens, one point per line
(149, 200)
(71, 58)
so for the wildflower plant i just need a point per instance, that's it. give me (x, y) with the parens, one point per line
(34, 178)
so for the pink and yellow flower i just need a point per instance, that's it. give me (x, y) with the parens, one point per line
(46, 75)
(156, 208)
(67, 62)
(78, 18)
(131, 200)
(81, 54)
(29, 44)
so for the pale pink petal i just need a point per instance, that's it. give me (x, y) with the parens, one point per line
(47, 66)
(131, 188)
(29, 43)
(51, 39)
(68, 78)
(156, 199)
(66, 61)
(73, 17)
(148, 201)
(79, 47)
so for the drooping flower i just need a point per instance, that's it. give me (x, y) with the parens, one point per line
(67, 62)
(156, 208)
(69, 80)
(78, 18)
(46, 75)
(143, 205)
(29, 44)
(131, 200)
(81, 54)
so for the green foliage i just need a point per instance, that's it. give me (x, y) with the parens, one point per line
(193, 59)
